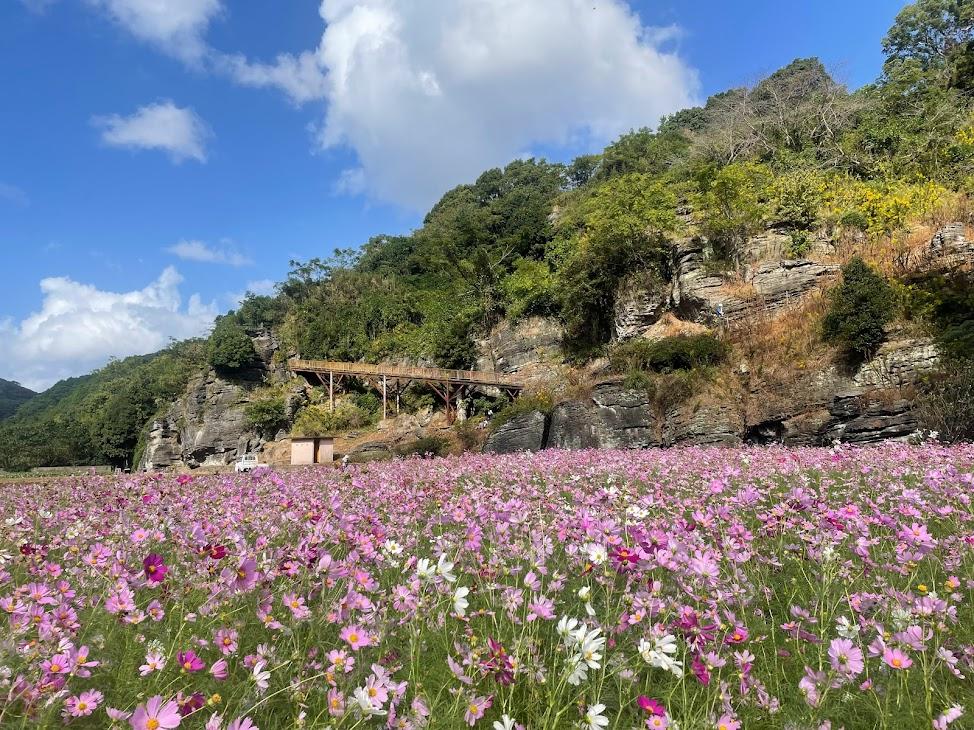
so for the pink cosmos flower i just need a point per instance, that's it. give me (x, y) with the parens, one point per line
(336, 703)
(155, 568)
(154, 662)
(189, 662)
(246, 575)
(356, 637)
(727, 722)
(846, 658)
(219, 669)
(242, 724)
(737, 636)
(82, 705)
(897, 659)
(58, 664)
(156, 715)
(476, 708)
(226, 641)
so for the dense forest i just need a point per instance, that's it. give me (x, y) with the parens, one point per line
(12, 396)
(796, 153)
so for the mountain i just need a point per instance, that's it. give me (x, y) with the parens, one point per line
(789, 261)
(12, 396)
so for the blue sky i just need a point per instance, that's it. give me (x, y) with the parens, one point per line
(154, 166)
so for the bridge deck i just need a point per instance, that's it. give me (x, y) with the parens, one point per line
(406, 372)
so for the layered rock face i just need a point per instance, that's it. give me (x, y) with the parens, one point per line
(526, 347)
(829, 407)
(208, 425)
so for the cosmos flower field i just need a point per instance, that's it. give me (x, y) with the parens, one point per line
(684, 588)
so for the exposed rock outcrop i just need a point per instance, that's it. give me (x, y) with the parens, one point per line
(206, 427)
(614, 417)
(639, 304)
(524, 432)
(530, 344)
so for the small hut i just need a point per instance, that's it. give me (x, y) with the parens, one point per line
(312, 450)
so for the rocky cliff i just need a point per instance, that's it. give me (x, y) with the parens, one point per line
(813, 406)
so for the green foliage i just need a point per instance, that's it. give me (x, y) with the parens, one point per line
(947, 302)
(619, 228)
(98, 418)
(319, 420)
(541, 401)
(945, 403)
(681, 352)
(427, 446)
(229, 347)
(530, 289)
(795, 200)
(731, 204)
(859, 310)
(267, 415)
(12, 396)
(257, 312)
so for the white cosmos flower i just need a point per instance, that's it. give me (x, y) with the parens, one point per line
(261, 676)
(597, 554)
(424, 569)
(505, 723)
(594, 719)
(845, 628)
(444, 568)
(391, 547)
(590, 648)
(659, 653)
(566, 628)
(579, 670)
(460, 602)
(365, 704)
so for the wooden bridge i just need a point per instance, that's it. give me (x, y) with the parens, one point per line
(450, 385)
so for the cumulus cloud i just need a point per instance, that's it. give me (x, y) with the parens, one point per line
(177, 27)
(203, 253)
(428, 94)
(79, 327)
(161, 126)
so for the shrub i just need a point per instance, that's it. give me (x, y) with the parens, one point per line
(542, 401)
(426, 446)
(681, 352)
(731, 206)
(945, 403)
(468, 434)
(318, 420)
(530, 290)
(229, 347)
(267, 415)
(859, 310)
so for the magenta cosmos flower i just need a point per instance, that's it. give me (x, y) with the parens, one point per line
(650, 706)
(155, 568)
(156, 715)
(189, 661)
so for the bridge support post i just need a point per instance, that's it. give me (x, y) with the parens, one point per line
(331, 390)
(384, 398)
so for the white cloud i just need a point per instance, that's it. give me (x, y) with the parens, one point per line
(430, 93)
(203, 253)
(79, 327)
(177, 27)
(161, 126)
(13, 194)
(261, 287)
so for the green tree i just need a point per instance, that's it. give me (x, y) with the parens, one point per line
(621, 227)
(731, 205)
(859, 310)
(934, 37)
(229, 346)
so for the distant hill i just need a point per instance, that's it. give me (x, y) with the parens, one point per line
(12, 396)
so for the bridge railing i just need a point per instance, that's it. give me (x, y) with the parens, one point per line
(477, 377)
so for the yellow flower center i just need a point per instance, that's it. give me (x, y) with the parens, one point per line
(353, 638)
(82, 706)
(372, 692)
(187, 665)
(473, 709)
(897, 662)
(152, 724)
(55, 668)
